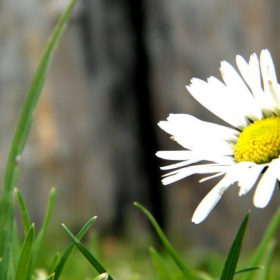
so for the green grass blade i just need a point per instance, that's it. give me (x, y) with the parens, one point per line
(18, 142)
(266, 275)
(25, 255)
(247, 269)
(15, 252)
(39, 80)
(5, 237)
(6, 218)
(54, 263)
(39, 239)
(95, 263)
(51, 277)
(71, 247)
(42, 233)
(165, 242)
(23, 212)
(94, 244)
(160, 265)
(267, 238)
(234, 252)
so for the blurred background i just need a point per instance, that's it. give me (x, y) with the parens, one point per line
(121, 67)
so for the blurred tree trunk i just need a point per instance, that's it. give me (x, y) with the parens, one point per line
(118, 69)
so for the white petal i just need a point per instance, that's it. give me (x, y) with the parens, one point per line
(179, 164)
(266, 185)
(217, 84)
(274, 90)
(211, 177)
(240, 93)
(175, 155)
(249, 178)
(209, 202)
(219, 160)
(250, 72)
(191, 133)
(183, 173)
(194, 156)
(252, 75)
(218, 131)
(227, 160)
(213, 197)
(216, 100)
(179, 174)
(269, 77)
(267, 68)
(232, 78)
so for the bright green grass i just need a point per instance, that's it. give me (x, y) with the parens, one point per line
(125, 260)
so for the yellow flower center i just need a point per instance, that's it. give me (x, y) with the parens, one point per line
(259, 142)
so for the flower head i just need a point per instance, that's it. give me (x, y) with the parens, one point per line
(247, 150)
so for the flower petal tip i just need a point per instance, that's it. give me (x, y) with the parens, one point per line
(260, 204)
(195, 221)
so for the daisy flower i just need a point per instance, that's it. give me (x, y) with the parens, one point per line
(248, 151)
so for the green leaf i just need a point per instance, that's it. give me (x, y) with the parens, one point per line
(18, 143)
(234, 252)
(267, 238)
(95, 263)
(159, 264)
(69, 250)
(23, 211)
(165, 242)
(25, 255)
